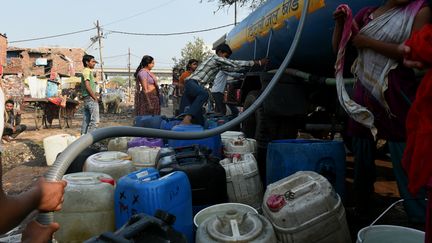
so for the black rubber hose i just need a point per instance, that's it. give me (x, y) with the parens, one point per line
(64, 160)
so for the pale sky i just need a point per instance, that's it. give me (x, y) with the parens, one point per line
(22, 20)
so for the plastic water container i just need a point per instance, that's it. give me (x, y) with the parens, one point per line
(390, 234)
(213, 143)
(113, 163)
(243, 181)
(206, 176)
(240, 146)
(118, 144)
(169, 151)
(286, 157)
(225, 136)
(51, 89)
(220, 209)
(148, 121)
(149, 142)
(235, 226)
(144, 228)
(169, 123)
(144, 191)
(305, 208)
(143, 156)
(88, 207)
(53, 145)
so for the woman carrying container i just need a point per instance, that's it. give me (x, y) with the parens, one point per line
(383, 93)
(147, 100)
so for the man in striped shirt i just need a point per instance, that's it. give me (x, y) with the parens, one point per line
(195, 95)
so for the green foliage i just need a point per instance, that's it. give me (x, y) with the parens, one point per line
(193, 50)
(252, 4)
(120, 81)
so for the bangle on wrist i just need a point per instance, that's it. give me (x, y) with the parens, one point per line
(259, 62)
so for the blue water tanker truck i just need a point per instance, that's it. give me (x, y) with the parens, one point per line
(305, 97)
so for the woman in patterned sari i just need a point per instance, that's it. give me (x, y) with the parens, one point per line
(147, 91)
(383, 92)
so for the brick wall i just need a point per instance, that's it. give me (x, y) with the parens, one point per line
(23, 60)
(3, 48)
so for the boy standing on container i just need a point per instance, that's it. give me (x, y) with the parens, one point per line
(91, 101)
(195, 95)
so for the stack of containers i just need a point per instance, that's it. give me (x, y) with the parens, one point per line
(243, 181)
(144, 191)
(88, 207)
(304, 207)
(113, 163)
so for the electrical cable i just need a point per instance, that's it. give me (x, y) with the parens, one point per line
(66, 157)
(143, 12)
(168, 34)
(53, 36)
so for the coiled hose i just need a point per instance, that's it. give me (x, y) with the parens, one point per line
(64, 160)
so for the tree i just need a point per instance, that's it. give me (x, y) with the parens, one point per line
(121, 82)
(193, 50)
(252, 4)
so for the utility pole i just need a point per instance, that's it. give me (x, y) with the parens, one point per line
(129, 71)
(99, 36)
(235, 12)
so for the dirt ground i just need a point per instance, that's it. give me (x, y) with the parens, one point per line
(24, 162)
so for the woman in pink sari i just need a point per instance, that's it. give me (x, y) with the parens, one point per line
(147, 90)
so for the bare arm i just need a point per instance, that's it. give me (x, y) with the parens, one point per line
(90, 91)
(44, 196)
(339, 17)
(392, 50)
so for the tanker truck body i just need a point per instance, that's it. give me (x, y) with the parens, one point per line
(269, 31)
(295, 103)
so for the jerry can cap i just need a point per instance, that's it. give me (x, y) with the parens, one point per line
(275, 202)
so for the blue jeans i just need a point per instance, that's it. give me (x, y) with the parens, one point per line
(90, 115)
(194, 97)
(221, 106)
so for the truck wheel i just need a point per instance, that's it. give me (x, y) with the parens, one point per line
(249, 124)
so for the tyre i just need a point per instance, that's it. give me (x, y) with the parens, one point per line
(249, 124)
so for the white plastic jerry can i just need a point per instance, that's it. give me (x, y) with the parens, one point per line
(113, 163)
(235, 226)
(143, 156)
(304, 207)
(118, 144)
(243, 182)
(240, 146)
(88, 207)
(53, 145)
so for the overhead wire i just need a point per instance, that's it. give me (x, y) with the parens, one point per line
(168, 34)
(53, 36)
(143, 12)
